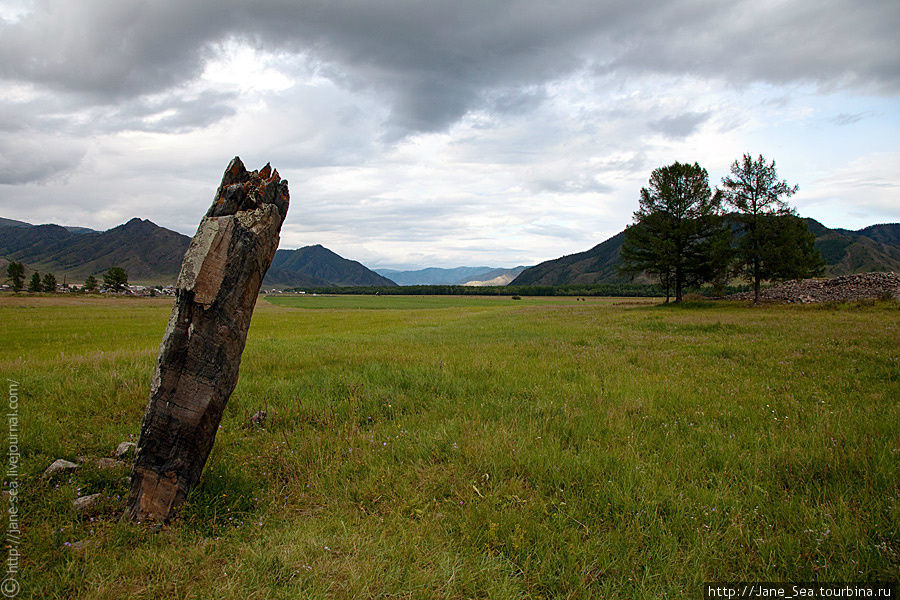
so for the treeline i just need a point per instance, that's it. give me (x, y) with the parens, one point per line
(627, 290)
(115, 279)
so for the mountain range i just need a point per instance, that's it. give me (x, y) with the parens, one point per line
(874, 248)
(317, 266)
(454, 276)
(153, 254)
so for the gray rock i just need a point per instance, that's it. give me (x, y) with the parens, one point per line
(847, 288)
(108, 463)
(125, 449)
(259, 418)
(85, 502)
(60, 465)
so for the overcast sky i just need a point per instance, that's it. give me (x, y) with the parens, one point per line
(442, 133)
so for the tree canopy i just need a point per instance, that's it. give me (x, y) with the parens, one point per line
(48, 284)
(35, 284)
(773, 242)
(15, 272)
(116, 278)
(678, 234)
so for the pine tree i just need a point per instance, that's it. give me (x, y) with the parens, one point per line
(116, 278)
(774, 243)
(49, 283)
(678, 234)
(15, 271)
(35, 284)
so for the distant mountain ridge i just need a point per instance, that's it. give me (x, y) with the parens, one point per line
(873, 248)
(322, 267)
(449, 276)
(14, 223)
(496, 277)
(597, 265)
(153, 254)
(434, 275)
(148, 252)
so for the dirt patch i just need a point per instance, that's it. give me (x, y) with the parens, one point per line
(25, 300)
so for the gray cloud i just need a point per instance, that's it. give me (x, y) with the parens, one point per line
(36, 160)
(417, 132)
(680, 126)
(169, 114)
(578, 185)
(437, 60)
(832, 44)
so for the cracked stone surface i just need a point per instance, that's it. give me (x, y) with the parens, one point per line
(197, 366)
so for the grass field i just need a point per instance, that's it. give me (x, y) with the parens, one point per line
(474, 447)
(388, 302)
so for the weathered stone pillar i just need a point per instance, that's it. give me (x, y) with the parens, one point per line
(197, 366)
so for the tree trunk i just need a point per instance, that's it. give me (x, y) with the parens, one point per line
(197, 366)
(755, 281)
(679, 276)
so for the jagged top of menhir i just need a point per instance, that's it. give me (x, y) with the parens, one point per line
(247, 190)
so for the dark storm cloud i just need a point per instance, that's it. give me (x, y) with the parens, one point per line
(434, 61)
(829, 43)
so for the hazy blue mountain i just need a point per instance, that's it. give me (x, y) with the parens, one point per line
(435, 275)
(496, 277)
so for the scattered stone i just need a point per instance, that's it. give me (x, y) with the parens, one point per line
(259, 418)
(60, 465)
(847, 288)
(108, 463)
(125, 449)
(85, 502)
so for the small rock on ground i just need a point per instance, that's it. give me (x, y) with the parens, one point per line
(85, 501)
(847, 288)
(60, 465)
(125, 448)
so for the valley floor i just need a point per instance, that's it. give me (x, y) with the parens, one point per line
(472, 447)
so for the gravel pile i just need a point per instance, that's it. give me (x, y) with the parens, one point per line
(840, 289)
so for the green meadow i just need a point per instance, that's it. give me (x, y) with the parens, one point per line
(456, 447)
(386, 302)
